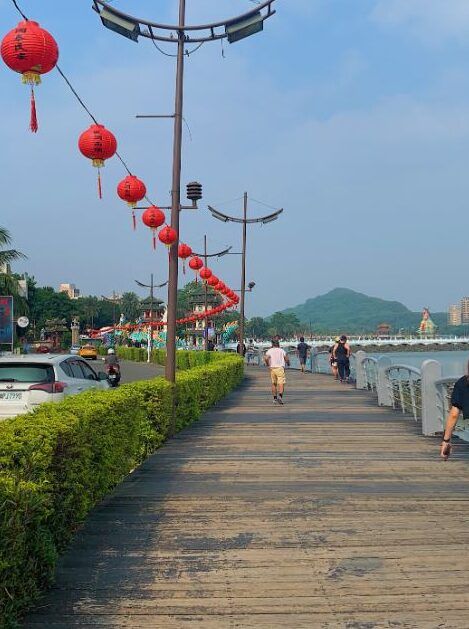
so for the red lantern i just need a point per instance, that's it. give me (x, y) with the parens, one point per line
(219, 287)
(131, 190)
(184, 252)
(205, 273)
(213, 280)
(196, 264)
(168, 236)
(153, 218)
(31, 51)
(98, 144)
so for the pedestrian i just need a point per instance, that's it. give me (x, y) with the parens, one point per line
(459, 404)
(210, 345)
(276, 358)
(332, 360)
(341, 353)
(238, 348)
(302, 351)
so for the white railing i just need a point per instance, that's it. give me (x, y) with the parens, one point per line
(404, 386)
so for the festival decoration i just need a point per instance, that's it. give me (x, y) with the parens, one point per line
(132, 190)
(153, 218)
(31, 51)
(205, 273)
(196, 264)
(168, 236)
(184, 252)
(98, 144)
(213, 281)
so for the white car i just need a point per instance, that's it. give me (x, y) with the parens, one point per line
(29, 380)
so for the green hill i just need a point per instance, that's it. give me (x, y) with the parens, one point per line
(346, 310)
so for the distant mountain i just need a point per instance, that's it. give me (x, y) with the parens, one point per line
(346, 310)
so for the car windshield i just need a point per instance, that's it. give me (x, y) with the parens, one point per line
(26, 372)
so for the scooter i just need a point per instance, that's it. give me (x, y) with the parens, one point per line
(113, 376)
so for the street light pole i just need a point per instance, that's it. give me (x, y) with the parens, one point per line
(245, 221)
(170, 368)
(233, 29)
(243, 275)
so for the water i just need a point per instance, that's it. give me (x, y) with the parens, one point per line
(454, 364)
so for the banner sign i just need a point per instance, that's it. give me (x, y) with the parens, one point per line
(6, 320)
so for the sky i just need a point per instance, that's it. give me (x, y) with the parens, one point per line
(352, 115)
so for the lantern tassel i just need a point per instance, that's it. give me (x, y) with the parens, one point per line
(100, 189)
(184, 267)
(33, 120)
(154, 239)
(134, 220)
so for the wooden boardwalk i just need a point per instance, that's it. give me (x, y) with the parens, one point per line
(329, 512)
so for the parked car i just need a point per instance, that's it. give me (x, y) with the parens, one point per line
(29, 380)
(88, 351)
(75, 350)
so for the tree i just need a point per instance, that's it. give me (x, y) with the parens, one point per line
(285, 325)
(8, 281)
(257, 328)
(130, 306)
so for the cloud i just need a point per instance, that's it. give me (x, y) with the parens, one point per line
(434, 21)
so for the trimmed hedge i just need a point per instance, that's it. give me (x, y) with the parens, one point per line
(185, 359)
(59, 461)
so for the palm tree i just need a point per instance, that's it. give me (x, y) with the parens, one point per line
(8, 282)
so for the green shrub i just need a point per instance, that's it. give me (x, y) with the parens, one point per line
(59, 461)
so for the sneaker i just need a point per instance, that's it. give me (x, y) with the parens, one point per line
(274, 401)
(280, 401)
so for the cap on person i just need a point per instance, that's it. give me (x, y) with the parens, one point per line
(337, 339)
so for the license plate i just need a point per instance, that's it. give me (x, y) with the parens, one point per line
(10, 395)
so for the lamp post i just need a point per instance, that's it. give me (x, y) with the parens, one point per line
(245, 221)
(233, 29)
(152, 287)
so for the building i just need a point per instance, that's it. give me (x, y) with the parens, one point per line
(465, 310)
(71, 290)
(383, 330)
(454, 315)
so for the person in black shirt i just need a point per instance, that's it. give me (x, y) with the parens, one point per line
(341, 354)
(302, 350)
(459, 404)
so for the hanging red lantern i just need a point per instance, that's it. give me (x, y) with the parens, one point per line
(168, 236)
(219, 287)
(213, 281)
(196, 264)
(31, 51)
(205, 273)
(184, 252)
(98, 144)
(153, 218)
(132, 190)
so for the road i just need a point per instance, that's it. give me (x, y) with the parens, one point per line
(132, 371)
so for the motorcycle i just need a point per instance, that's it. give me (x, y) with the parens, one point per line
(113, 376)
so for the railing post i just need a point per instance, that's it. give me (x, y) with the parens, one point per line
(431, 423)
(382, 386)
(314, 360)
(360, 374)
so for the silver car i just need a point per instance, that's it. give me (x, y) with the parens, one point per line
(29, 380)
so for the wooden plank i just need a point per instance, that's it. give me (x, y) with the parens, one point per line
(328, 512)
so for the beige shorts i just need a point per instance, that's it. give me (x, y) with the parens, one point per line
(277, 375)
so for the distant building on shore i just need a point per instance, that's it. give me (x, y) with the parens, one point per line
(465, 310)
(71, 290)
(454, 315)
(383, 330)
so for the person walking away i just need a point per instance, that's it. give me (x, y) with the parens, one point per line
(302, 351)
(332, 360)
(341, 354)
(276, 358)
(238, 349)
(459, 404)
(111, 362)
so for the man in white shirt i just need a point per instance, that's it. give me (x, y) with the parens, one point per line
(276, 359)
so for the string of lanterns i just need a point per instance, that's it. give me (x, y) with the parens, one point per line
(32, 51)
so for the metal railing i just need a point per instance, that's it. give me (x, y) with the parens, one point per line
(370, 368)
(404, 385)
